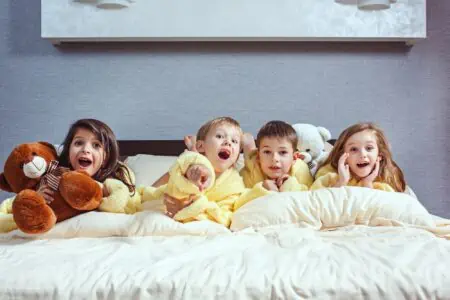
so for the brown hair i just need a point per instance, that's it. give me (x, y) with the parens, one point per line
(389, 170)
(278, 129)
(204, 130)
(111, 168)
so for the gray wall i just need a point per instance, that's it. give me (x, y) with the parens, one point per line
(164, 91)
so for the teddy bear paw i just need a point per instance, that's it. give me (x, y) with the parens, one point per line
(80, 191)
(31, 213)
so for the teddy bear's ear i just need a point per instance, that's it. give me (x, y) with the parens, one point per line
(50, 146)
(325, 133)
(4, 185)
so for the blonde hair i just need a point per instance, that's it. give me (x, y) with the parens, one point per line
(206, 128)
(389, 173)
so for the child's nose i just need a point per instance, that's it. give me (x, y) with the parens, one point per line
(86, 148)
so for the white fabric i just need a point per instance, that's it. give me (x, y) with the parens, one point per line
(331, 207)
(148, 168)
(150, 256)
(356, 262)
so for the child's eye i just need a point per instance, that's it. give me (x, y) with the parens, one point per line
(267, 152)
(78, 143)
(97, 145)
(369, 148)
(283, 152)
(353, 149)
(235, 141)
(219, 136)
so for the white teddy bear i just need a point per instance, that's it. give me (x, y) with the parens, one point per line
(312, 144)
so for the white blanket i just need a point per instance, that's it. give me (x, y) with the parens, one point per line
(147, 255)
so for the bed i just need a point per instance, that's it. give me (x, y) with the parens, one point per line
(334, 244)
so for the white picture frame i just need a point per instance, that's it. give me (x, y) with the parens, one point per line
(232, 20)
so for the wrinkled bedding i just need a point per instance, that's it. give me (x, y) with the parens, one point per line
(347, 243)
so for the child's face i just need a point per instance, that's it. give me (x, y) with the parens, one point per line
(86, 152)
(221, 146)
(276, 156)
(363, 152)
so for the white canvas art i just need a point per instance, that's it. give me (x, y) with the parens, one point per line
(233, 20)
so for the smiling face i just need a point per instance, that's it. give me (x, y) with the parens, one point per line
(221, 146)
(276, 156)
(363, 152)
(86, 152)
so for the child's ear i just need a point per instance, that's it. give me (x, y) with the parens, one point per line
(200, 145)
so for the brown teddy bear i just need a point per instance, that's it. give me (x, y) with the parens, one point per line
(34, 166)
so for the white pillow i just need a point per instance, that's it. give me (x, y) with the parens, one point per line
(332, 207)
(148, 168)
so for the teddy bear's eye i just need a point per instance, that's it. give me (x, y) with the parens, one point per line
(21, 165)
(34, 153)
(307, 150)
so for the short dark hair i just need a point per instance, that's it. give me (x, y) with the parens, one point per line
(278, 129)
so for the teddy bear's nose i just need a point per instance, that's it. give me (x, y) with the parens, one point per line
(35, 168)
(38, 164)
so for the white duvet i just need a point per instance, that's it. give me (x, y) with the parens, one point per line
(304, 245)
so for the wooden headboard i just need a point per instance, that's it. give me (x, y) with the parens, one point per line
(156, 147)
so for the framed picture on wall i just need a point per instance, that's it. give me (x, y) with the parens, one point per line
(233, 20)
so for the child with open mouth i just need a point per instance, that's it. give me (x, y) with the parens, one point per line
(361, 157)
(204, 184)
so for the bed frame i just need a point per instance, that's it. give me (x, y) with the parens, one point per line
(156, 147)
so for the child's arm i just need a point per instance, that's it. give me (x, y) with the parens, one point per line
(190, 176)
(248, 144)
(161, 180)
(257, 191)
(302, 174)
(251, 172)
(6, 218)
(179, 185)
(6, 206)
(291, 184)
(383, 187)
(325, 181)
(118, 199)
(203, 209)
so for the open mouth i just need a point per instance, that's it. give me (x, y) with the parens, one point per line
(362, 165)
(224, 154)
(84, 162)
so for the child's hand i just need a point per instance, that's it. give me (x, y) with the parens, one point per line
(47, 193)
(190, 141)
(280, 180)
(199, 175)
(174, 205)
(344, 171)
(270, 185)
(248, 143)
(369, 179)
(104, 189)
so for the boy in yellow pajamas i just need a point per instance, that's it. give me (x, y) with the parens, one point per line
(204, 184)
(272, 164)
